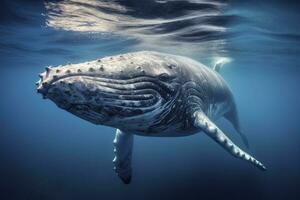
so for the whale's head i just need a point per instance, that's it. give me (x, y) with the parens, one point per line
(115, 91)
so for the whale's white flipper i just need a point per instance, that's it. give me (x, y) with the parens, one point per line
(220, 62)
(123, 144)
(203, 122)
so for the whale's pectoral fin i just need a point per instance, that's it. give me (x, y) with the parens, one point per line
(203, 122)
(219, 63)
(123, 144)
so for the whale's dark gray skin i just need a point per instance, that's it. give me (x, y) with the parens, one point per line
(145, 93)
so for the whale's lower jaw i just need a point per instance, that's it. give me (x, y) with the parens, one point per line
(108, 101)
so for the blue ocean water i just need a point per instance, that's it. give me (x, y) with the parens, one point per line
(47, 153)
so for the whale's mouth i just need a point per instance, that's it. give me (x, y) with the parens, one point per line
(98, 99)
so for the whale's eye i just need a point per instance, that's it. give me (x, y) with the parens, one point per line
(164, 77)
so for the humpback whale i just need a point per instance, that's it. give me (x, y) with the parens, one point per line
(146, 93)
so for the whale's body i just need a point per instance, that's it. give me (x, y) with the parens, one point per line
(145, 93)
